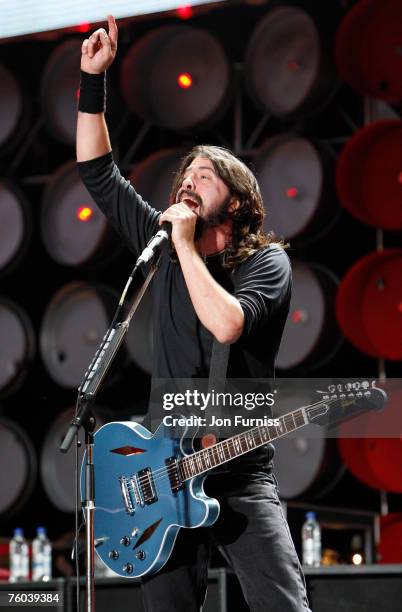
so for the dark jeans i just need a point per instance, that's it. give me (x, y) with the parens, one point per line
(253, 536)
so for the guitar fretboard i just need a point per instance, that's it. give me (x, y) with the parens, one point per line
(221, 452)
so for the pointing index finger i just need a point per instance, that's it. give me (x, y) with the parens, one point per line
(113, 32)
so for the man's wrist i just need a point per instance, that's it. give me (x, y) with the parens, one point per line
(92, 98)
(96, 72)
(185, 248)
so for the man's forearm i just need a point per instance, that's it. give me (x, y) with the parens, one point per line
(92, 136)
(219, 311)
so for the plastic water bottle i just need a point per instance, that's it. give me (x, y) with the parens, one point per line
(311, 541)
(41, 556)
(19, 557)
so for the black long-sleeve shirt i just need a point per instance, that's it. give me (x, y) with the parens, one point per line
(182, 345)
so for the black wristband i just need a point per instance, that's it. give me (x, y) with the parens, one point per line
(92, 93)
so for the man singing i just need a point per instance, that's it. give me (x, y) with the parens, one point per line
(225, 278)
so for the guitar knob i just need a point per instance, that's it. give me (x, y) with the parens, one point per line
(141, 555)
(125, 540)
(128, 568)
(114, 554)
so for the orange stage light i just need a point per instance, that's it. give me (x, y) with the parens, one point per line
(184, 80)
(84, 213)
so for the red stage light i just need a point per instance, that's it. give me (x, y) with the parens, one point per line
(184, 12)
(84, 213)
(292, 193)
(83, 27)
(184, 80)
(298, 316)
(293, 66)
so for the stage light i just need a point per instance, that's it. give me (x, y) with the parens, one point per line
(371, 444)
(308, 464)
(15, 227)
(389, 549)
(310, 338)
(72, 328)
(367, 304)
(288, 66)
(184, 12)
(14, 120)
(292, 193)
(17, 346)
(299, 316)
(296, 178)
(67, 235)
(19, 467)
(293, 66)
(184, 80)
(368, 175)
(83, 27)
(150, 73)
(368, 49)
(58, 90)
(84, 213)
(55, 466)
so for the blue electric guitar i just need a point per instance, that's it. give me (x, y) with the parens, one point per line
(149, 486)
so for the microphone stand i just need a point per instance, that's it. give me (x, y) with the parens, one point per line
(84, 417)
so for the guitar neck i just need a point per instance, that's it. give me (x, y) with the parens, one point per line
(240, 444)
(349, 404)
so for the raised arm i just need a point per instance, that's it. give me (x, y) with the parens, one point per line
(97, 54)
(132, 218)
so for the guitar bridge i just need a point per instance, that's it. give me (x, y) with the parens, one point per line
(135, 487)
(126, 492)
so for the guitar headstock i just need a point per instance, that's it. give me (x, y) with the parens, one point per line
(346, 400)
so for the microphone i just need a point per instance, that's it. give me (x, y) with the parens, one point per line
(160, 238)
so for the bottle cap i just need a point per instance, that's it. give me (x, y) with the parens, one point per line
(18, 531)
(310, 515)
(40, 530)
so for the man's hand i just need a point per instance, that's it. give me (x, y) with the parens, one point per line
(183, 221)
(99, 50)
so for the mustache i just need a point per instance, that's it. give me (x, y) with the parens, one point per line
(190, 194)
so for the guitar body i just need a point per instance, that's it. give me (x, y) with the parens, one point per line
(139, 504)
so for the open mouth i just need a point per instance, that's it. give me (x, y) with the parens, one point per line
(190, 199)
(191, 203)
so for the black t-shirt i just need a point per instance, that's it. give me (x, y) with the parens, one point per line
(182, 345)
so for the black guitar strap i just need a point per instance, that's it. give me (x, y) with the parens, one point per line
(216, 383)
(219, 362)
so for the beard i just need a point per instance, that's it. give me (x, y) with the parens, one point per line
(213, 219)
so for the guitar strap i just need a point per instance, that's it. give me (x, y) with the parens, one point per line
(216, 382)
(219, 362)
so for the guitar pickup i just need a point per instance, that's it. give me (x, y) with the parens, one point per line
(146, 486)
(175, 479)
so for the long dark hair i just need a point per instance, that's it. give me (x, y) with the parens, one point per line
(248, 234)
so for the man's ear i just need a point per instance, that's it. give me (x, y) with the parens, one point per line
(234, 205)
